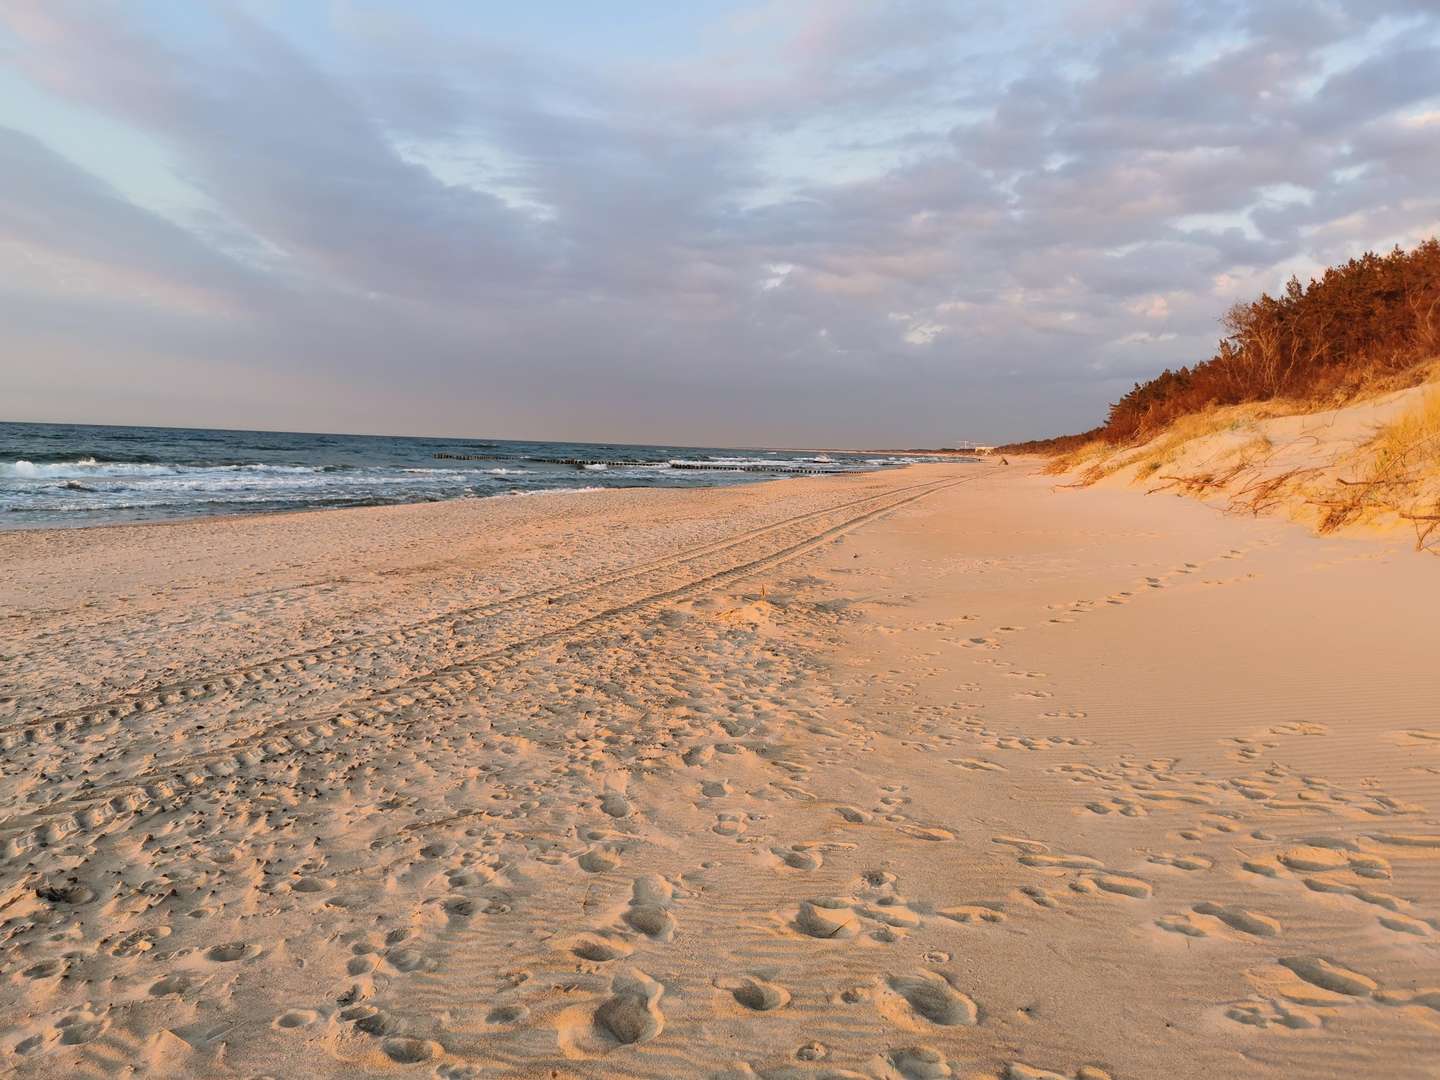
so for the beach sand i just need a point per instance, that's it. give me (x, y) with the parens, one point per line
(926, 773)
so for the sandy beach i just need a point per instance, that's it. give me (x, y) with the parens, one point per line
(933, 772)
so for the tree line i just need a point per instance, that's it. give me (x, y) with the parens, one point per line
(1363, 325)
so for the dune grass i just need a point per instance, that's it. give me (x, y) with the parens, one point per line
(1399, 474)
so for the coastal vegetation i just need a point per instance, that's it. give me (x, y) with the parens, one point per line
(1366, 327)
(1361, 345)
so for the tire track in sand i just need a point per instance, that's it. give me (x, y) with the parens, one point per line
(212, 685)
(445, 682)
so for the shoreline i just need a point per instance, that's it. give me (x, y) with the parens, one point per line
(70, 477)
(925, 771)
(266, 515)
(269, 515)
(579, 488)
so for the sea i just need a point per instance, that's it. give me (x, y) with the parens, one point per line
(63, 475)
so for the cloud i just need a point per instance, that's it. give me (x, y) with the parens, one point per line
(65, 231)
(808, 222)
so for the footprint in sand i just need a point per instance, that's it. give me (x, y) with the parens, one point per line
(754, 993)
(179, 983)
(919, 1063)
(1317, 971)
(632, 1012)
(826, 918)
(409, 959)
(1298, 991)
(1118, 884)
(1122, 805)
(1182, 862)
(506, 1015)
(730, 823)
(1407, 924)
(295, 1018)
(1039, 742)
(985, 911)
(799, 856)
(1328, 863)
(649, 910)
(407, 1051)
(1018, 1070)
(1241, 919)
(600, 950)
(979, 643)
(1093, 877)
(1042, 861)
(1183, 923)
(598, 860)
(80, 1028)
(978, 764)
(927, 996)
(1272, 1012)
(926, 832)
(231, 952)
(615, 804)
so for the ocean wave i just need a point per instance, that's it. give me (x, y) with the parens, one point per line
(92, 457)
(558, 491)
(82, 476)
(30, 470)
(416, 470)
(768, 461)
(94, 468)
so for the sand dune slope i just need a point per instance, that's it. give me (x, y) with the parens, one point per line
(929, 773)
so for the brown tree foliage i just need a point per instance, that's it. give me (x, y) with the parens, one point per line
(1361, 325)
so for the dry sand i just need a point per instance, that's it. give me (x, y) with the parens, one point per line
(925, 773)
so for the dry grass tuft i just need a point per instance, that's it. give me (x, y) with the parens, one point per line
(1100, 459)
(1074, 459)
(1226, 453)
(1400, 475)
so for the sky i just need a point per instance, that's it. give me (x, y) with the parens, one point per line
(838, 222)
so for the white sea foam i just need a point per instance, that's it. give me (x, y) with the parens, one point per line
(181, 479)
(29, 470)
(90, 469)
(558, 491)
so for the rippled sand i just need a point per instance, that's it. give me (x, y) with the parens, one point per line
(926, 773)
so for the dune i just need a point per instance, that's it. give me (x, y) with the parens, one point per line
(934, 772)
(1369, 466)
